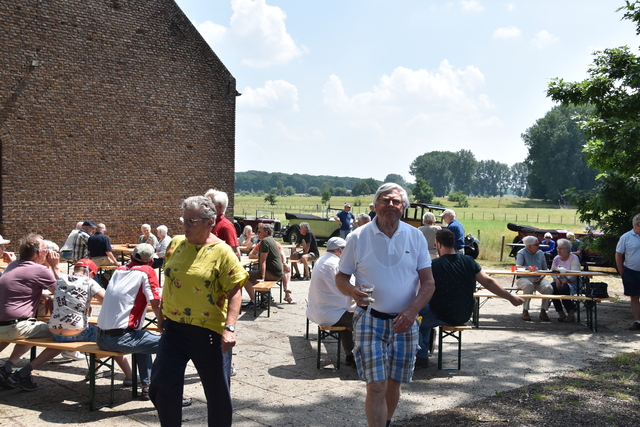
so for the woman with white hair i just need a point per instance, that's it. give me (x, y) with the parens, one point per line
(163, 243)
(565, 285)
(550, 251)
(248, 239)
(429, 230)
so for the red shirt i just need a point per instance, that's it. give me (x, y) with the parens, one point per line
(225, 230)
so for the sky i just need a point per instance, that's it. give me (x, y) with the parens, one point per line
(360, 88)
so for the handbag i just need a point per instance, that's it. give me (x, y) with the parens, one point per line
(596, 290)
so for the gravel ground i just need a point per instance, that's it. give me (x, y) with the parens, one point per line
(604, 394)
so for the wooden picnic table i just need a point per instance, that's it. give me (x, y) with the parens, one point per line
(545, 272)
(123, 249)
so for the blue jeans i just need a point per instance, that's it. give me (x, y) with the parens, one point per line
(142, 343)
(180, 343)
(344, 233)
(429, 321)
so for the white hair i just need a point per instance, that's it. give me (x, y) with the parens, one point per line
(529, 240)
(79, 225)
(564, 243)
(145, 226)
(388, 186)
(219, 198)
(162, 229)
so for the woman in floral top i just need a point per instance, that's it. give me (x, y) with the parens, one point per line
(200, 302)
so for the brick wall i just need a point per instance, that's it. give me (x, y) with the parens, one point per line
(110, 110)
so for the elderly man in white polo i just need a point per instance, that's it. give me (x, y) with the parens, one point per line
(531, 256)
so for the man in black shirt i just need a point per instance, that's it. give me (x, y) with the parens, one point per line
(307, 242)
(452, 303)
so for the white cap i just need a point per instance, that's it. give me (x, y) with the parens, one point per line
(335, 243)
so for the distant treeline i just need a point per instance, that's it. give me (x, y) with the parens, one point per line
(259, 181)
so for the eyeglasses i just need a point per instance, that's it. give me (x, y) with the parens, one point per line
(191, 222)
(390, 201)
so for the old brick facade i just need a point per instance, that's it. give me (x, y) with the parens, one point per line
(110, 110)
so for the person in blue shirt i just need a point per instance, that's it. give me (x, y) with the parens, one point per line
(576, 245)
(449, 216)
(550, 251)
(345, 218)
(628, 263)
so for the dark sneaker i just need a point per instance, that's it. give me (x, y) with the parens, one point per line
(422, 362)
(144, 395)
(525, 316)
(350, 360)
(635, 327)
(249, 305)
(26, 384)
(233, 371)
(5, 379)
(543, 316)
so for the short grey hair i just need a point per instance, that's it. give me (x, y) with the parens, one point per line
(145, 226)
(564, 243)
(363, 217)
(428, 218)
(305, 225)
(51, 246)
(79, 225)
(162, 229)
(202, 204)
(548, 236)
(388, 186)
(636, 219)
(267, 228)
(529, 240)
(246, 227)
(101, 227)
(219, 198)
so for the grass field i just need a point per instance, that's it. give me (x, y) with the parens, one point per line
(485, 218)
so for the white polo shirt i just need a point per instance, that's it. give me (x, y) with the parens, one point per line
(629, 246)
(391, 264)
(326, 303)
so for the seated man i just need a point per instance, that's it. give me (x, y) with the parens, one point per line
(271, 265)
(531, 256)
(21, 288)
(66, 252)
(550, 251)
(71, 307)
(307, 242)
(131, 289)
(147, 237)
(452, 303)
(327, 305)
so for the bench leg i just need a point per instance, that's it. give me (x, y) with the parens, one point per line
(323, 335)
(443, 334)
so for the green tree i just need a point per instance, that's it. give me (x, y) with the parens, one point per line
(271, 198)
(398, 179)
(612, 129)
(556, 139)
(313, 191)
(340, 192)
(460, 198)
(422, 192)
(289, 191)
(492, 178)
(519, 173)
(463, 169)
(326, 196)
(435, 168)
(365, 187)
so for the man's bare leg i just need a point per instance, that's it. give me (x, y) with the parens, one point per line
(392, 396)
(374, 405)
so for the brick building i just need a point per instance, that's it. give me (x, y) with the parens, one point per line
(110, 110)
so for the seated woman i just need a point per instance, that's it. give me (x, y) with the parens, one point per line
(247, 240)
(565, 285)
(71, 307)
(550, 251)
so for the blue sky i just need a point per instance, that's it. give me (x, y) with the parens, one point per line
(362, 87)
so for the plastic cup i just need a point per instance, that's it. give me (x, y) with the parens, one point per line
(513, 268)
(533, 268)
(367, 288)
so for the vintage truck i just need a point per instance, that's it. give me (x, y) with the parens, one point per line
(323, 227)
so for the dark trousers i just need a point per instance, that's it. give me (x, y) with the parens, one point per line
(347, 336)
(179, 344)
(564, 290)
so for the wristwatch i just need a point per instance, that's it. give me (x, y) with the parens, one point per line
(230, 328)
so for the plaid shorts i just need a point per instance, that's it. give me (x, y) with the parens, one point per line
(379, 352)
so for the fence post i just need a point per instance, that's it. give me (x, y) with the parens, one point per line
(502, 249)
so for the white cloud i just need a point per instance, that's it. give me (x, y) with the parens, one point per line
(544, 38)
(507, 32)
(511, 7)
(472, 5)
(257, 32)
(405, 89)
(275, 95)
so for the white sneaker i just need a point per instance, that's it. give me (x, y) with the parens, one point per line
(73, 355)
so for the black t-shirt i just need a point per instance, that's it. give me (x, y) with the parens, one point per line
(455, 284)
(309, 238)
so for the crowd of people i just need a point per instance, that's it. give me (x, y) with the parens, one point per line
(388, 283)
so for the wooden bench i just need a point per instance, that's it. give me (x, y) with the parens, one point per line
(324, 333)
(95, 356)
(451, 331)
(590, 304)
(263, 290)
